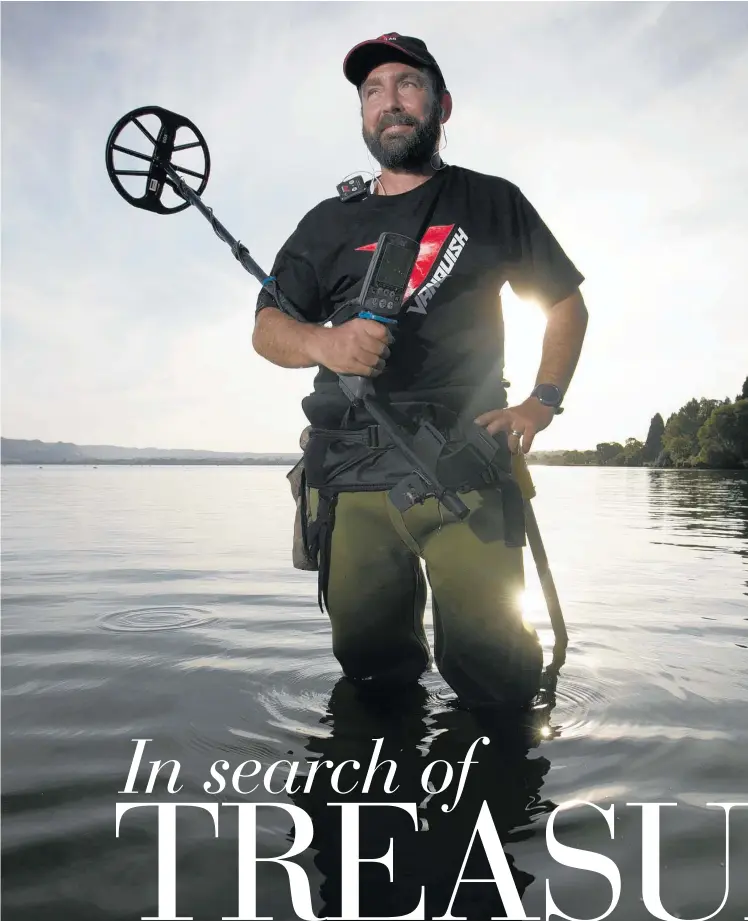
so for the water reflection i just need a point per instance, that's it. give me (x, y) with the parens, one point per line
(414, 735)
(710, 510)
(701, 502)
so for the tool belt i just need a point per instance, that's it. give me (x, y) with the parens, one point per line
(340, 460)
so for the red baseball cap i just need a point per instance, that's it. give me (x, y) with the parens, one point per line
(392, 46)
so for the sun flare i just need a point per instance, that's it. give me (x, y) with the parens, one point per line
(524, 327)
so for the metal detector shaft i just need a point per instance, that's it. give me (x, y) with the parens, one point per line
(239, 250)
(545, 576)
(522, 476)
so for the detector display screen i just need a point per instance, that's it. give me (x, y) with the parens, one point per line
(394, 268)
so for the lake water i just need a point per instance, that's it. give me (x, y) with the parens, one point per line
(160, 603)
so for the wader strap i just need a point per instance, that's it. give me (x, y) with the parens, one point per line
(320, 541)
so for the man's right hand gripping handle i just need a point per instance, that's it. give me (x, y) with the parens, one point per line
(357, 347)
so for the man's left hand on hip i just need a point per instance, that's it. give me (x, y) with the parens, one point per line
(521, 423)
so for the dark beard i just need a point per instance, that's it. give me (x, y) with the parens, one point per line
(410, 151)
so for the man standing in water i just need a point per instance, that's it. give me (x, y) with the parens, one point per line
(444, 365)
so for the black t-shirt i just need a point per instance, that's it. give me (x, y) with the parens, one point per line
(480, 232)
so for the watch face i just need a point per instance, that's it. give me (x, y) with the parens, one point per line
(548, 394)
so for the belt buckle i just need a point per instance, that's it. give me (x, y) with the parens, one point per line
(372, 432)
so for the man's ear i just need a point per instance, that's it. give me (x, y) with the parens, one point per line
(446, 104)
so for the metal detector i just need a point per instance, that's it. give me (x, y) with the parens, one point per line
(162, 175)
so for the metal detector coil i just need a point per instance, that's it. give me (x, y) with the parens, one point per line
(157, 176)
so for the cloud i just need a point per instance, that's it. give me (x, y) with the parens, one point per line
(623, 123)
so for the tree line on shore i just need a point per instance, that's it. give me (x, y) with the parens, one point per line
(702, 434)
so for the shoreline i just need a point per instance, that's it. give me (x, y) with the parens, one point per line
(290, 462)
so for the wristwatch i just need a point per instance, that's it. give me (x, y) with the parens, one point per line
(549, 395)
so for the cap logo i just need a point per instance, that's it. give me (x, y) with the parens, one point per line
(393, 36)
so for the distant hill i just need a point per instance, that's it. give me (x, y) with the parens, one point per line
(22, 451)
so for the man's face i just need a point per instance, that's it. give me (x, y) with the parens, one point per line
(400, 116)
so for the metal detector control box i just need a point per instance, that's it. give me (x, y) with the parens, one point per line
(387, 277)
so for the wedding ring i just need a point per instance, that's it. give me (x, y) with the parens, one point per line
(518, 434)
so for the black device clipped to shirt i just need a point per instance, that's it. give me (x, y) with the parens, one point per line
(351, 188)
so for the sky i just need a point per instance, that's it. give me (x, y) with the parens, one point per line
(623, 123)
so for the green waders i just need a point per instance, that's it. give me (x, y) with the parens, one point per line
(376, 597)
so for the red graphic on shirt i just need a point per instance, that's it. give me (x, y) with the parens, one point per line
(431, 244)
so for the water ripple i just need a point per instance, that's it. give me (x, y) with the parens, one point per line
(579, 704)
(148, 620)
